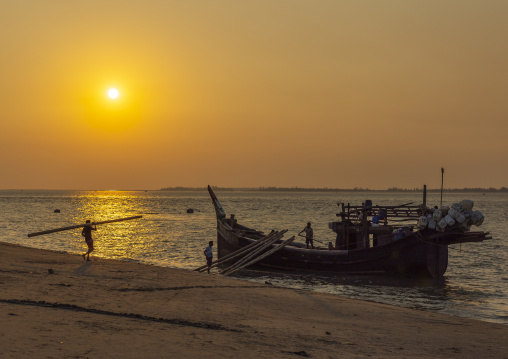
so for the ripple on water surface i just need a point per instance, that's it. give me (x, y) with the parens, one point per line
(474, 285)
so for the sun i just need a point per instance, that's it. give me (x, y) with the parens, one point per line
(113, 93)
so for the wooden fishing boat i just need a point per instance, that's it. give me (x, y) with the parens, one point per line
(360, 245)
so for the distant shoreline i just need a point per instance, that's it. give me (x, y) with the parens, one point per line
(280, 189)
(304, 189)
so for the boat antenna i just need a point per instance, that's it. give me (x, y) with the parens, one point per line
(442, 176)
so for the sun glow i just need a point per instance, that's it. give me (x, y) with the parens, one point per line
(113, 93)
(111, 107)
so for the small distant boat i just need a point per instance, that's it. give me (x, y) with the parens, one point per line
(361, 246)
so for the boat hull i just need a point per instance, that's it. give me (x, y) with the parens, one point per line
(409, 256)
(424, 252)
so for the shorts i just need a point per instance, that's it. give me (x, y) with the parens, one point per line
(89, 244)
(209, 261)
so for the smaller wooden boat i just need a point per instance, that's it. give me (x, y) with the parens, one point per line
(361, 246)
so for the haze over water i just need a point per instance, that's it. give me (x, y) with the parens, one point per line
(475, 284)
(253, 93)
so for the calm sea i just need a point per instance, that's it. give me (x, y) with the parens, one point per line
(475, 285)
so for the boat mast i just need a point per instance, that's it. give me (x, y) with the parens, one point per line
(442, 176)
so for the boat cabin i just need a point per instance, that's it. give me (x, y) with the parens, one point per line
(366, 226)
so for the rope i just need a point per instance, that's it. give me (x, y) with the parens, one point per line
(377, 237)
(419, 236)
(314, 239)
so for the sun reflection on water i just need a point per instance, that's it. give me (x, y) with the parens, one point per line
(120, 240)
(167, 235)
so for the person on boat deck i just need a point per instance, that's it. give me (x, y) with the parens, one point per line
(209, 255)
(309, 235)
(232, 221)
(375, 220)
(87, 233)
(382, 215)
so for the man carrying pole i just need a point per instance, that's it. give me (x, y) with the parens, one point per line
(87, 233)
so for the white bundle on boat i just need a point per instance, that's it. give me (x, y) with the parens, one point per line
(449, 220)
(467, 214)
(422, 222)
(459, 217)
(458, 207)
(431, 223)
(442, 223)
(467, 204)
(453, 212)
(477, 218)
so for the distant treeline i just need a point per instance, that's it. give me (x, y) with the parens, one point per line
(326, 189)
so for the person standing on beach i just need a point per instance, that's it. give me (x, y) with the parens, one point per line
(87, 233)
(209, 255)
(309, 235)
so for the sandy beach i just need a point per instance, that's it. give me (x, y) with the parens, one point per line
(55, 305)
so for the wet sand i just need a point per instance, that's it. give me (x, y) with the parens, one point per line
(114, 309)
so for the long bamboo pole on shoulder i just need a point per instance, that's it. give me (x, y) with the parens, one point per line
(81, 225)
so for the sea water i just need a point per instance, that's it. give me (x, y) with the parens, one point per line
(475, 284)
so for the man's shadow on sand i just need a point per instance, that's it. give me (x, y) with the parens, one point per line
(81, 270)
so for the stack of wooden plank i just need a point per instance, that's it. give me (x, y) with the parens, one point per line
(250, 254)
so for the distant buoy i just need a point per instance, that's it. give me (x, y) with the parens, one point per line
(56, 211)
(190, 210)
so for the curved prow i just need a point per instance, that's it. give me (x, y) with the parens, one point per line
(219, 211)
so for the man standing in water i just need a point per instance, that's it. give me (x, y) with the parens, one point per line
(209, 255)
(309, 235)
(87, 233)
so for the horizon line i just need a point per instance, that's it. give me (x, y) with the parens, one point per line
(275, 188)
(358, 189)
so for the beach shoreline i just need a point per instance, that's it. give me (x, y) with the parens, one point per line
(54, 304)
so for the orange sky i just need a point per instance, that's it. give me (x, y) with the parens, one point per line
(262, 93)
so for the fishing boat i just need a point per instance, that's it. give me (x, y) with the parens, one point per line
(368, 239)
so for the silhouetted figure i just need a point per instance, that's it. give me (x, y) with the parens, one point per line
(87, 233)
(209, 255)
(309, 235)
